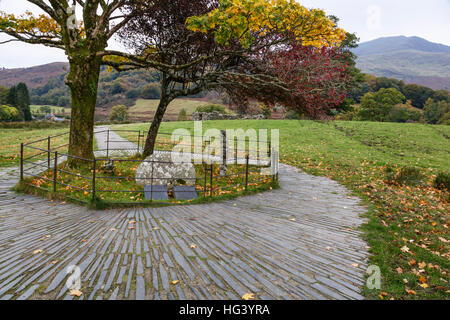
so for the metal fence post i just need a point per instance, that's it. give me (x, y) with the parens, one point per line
(211, 181)
(107, 145)
(21, 162)
(206, 177)
(246, 171)
(139, 141)
(223, 167)
(48, 152)
(151, 191)
(93, 179)
(55, 171)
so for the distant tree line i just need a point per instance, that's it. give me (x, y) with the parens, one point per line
(15, 103)
(391, 100)
(114, 88)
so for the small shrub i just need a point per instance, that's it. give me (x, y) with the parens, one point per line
(445, 120)
(8, 113)
(442, 181)
(182, 116)
(211, 108)
(404, 176)
(293, 115)
(151, 91)
(119, 113)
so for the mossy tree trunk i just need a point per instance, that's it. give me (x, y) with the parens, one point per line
(166, 98)
(83, 82)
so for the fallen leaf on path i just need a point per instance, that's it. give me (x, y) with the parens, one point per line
(37, 251)
(193, 246)
(248, 296)
(75, 293)
(175, 282)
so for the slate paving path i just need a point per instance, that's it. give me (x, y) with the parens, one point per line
(298, 242)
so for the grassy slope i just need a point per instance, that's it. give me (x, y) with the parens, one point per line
(147, 108)
(413, 218)
(10, 140)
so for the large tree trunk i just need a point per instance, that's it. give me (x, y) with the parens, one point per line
(83, 82)
(166, 98)
(154, 128)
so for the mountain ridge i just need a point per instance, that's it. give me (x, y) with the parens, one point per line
(411, 59)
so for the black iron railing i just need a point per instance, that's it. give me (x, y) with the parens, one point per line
(37, 157)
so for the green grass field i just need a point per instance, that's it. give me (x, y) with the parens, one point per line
(147, 108)
(408, 225)
(10, 140)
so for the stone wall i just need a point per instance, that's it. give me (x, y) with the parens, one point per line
(204, 116)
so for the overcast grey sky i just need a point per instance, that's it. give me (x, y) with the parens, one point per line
(370, 19)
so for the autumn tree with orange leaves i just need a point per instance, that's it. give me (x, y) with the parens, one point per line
(244, 30)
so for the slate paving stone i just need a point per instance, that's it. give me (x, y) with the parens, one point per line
(246, 244)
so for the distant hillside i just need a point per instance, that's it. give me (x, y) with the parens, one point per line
(34, 76)
(48, 87)
(412, 59)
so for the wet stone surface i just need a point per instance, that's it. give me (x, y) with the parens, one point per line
(297, 242)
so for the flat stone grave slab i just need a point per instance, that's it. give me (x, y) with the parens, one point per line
(185, 192)
(156, 193)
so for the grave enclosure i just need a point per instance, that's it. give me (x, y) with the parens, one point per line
(42, 167)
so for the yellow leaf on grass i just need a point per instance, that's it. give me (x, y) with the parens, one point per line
(422, 279)
(248, 296)
(404, 249)
(423, 285)
(411, 292)
(422, 265)
(399, 270)
(412, 262)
